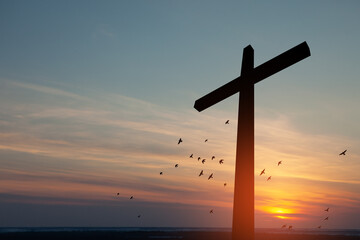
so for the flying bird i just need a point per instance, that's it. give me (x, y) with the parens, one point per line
(227, 122)
(343, 153)
(180, 141)
(201, 173)
(212, 158)
(211, 176)
(191, 156)
(290, 227)
(224, 184)
(118, 194)
(212, 211)
(326, 210)
(327, 218)
(139, 216)
(176, 165)
(161, 173)
(283, 226)
(279, 163)
(319, 227)
(221, 161)
(269, 178)
(203, 161)
(199, 158)
(206, 140)
(131, 197)
(262, 172)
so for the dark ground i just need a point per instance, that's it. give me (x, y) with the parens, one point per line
(186, 235)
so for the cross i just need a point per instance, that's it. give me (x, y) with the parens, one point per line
(243, 208)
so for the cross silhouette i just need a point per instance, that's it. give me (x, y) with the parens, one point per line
(243, 208)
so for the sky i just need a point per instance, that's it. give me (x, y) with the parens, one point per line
(94, 96)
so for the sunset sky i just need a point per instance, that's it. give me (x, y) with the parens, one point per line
(94, 96)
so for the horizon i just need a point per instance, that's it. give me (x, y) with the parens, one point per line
(214, 228)
(95, 96)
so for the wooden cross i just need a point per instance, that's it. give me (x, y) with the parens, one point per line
(243, 210)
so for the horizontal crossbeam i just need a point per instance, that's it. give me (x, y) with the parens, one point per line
(259, 73)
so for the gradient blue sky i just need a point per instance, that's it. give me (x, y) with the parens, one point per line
(95, 94)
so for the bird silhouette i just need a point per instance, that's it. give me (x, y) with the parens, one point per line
(180, 141)
(262, 172)
(118, 194)
(283, 226)
(326, 210)
(203, 161)
(290, 227)
(269, 178)
(201, 173)
(279, 163)
(199, 158)
(176, 165)
(161, 173)
(206, 140)
(319, 227)
(343, 153)
(139, 216)
(211, 211)
(191, 156)
(224, 184)
(131, 197)
(327, 218)
(213, 157)
(221, 161)
(211, 176)
(227, 122)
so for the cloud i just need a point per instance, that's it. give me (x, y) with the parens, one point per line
(48, 90)
(112, 143)
(103, 30)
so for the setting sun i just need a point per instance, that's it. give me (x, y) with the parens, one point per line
(278, 212)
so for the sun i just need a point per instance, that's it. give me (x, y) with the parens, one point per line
(278, 212)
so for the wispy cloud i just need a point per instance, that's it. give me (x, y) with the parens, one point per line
(103, 30)
(113, 143)
(48, 90)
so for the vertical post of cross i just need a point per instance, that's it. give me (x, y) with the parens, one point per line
(243, 211)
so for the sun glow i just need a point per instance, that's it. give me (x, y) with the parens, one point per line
(277, 210)
(281, 213)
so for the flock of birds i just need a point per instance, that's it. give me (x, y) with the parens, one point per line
(221, 161)
(326, 210)
(290, 227)
(203, 160)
